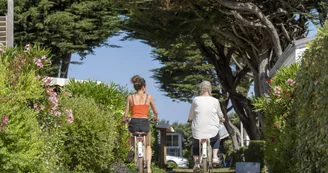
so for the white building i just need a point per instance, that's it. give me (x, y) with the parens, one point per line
(292, 54)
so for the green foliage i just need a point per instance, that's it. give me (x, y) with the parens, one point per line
(89, 140)
(238, 156)
(278, 119)
(66, 27)
(132, 168)
(255, 152)
(19, 140)
(311, 106)
(110, 98)
(24, 148)
(183, 68)
(227, 144)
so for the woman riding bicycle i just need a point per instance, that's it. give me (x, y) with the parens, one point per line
(138, 103)
(206, 118)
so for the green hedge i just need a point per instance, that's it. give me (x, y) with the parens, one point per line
(255, 152)
(311, 103)
(110, 98)
(89, 140)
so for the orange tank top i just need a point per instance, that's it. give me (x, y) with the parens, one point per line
(140, 110)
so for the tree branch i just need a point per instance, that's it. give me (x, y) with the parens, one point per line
(245, 21)
(243, 38)
(231, 37)
(250, 7)
(240, 76)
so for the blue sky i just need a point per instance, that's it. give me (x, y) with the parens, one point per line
(120, 64)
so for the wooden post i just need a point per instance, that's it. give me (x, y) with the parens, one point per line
(163, 148)
(10, 24)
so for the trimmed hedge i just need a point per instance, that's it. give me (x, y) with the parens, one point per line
(253, 153)
(311, 105)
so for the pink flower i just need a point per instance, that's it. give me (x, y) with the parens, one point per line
(48, 81)
(290, 82)
(44, 57)
(277, 90)
(57, 113)
(5, 119)
(69, 115)
(54, 107)
(268, 81)
(38, 63)
(36, 108)
(1, 50)
(269, 91)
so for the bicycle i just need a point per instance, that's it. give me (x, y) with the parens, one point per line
(140, 148)
(205, 158)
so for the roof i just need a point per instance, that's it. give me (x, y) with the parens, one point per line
(169, 128)
(65, 81)
(289, 55)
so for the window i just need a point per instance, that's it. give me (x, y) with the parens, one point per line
(173, 144)
(173, 152)
(172, 140)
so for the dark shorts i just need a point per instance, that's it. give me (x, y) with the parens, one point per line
(139, 125)
(214, 141)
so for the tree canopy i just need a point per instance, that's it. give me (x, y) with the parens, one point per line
(66, 27)
(242, 40)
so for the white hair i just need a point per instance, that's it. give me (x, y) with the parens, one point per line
(205, 86)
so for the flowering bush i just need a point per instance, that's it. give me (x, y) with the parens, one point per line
(276, 107)
(23, 145)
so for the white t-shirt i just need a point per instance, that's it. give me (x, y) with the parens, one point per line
(205, 113)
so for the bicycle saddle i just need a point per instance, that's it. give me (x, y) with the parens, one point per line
(139, 133)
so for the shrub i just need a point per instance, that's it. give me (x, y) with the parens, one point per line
(23, 145)
(238, 156)
(110, 98)
(89, 135)
(311, 106)
(276, 107)
(255, 152)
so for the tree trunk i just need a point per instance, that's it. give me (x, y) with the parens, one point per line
(65, 65)
(55, 64)
(232, 130)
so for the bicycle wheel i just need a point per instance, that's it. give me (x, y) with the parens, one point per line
(204, 166)
(140, 165)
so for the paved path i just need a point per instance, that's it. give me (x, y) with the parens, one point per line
(219, 170)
